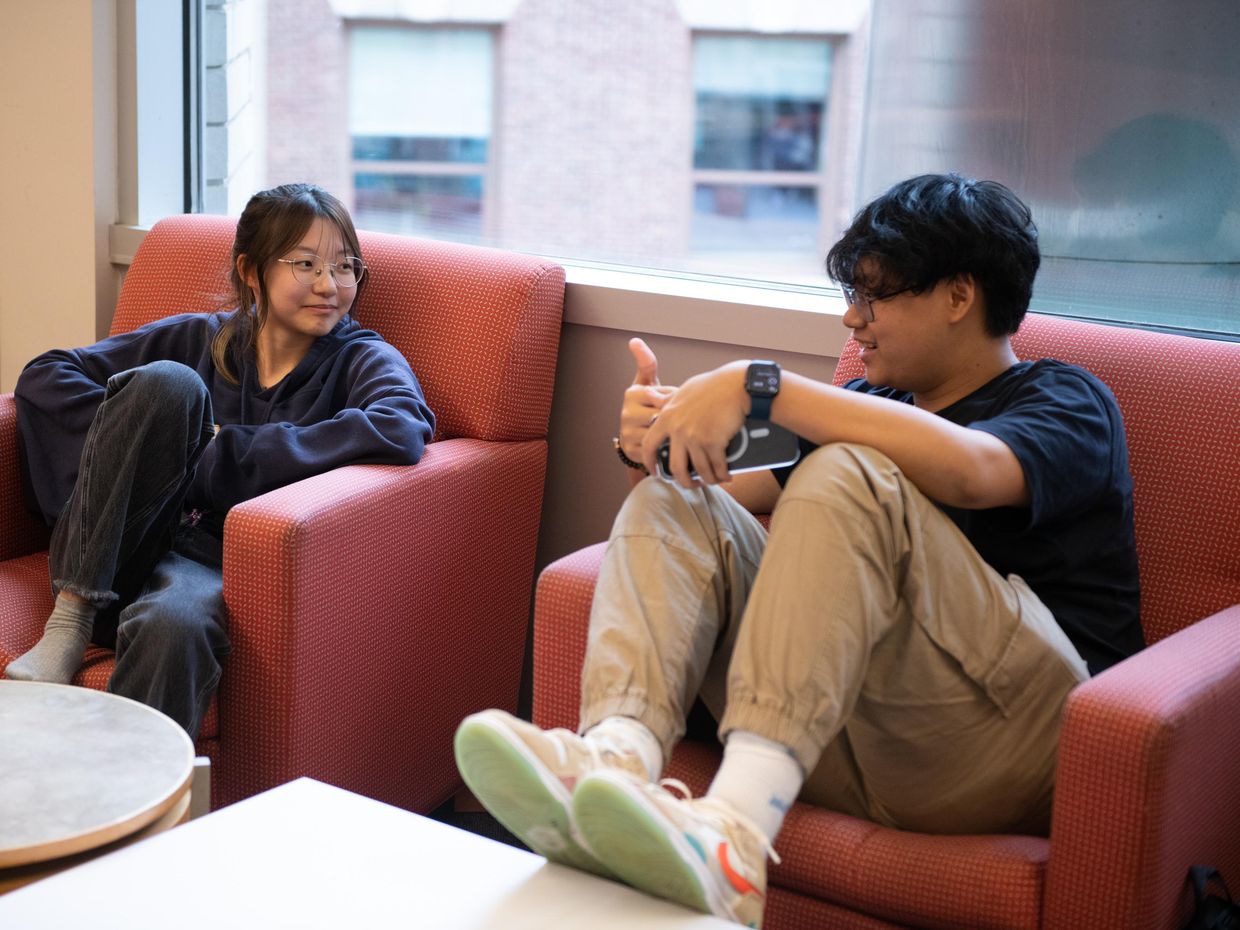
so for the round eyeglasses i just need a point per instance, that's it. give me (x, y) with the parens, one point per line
(346, 273)
(864, 303)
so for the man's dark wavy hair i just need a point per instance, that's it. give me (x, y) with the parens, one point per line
(935, 226)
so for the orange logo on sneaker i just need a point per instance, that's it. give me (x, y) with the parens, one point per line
(735, 878)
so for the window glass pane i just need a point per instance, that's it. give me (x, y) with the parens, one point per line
(407, 148)
(420, 96)
(1120, 128)
(776, 227)
(449, 207)
(697, 136)
(760, 103)
(432, 84)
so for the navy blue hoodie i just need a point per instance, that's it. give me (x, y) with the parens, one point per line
(353, 399)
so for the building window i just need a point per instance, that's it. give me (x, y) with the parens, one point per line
(420, 129)
(739, 139)
(759, 125)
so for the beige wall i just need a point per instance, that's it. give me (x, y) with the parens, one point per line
(57, 175)
(585, 481)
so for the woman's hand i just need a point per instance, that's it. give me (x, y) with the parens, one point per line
(698, 420)
(642, 399)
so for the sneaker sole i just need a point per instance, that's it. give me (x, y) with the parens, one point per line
(519, 791)
(637, 843)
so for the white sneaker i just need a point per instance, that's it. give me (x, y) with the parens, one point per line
(525, 777)
(697, 852)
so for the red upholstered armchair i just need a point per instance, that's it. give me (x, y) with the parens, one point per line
(1149, 762)
(373, 607)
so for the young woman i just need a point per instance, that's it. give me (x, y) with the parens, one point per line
(135, 448)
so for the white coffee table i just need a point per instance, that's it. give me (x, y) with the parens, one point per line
(307, 855)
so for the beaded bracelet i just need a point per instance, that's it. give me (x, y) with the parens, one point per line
(615, 442)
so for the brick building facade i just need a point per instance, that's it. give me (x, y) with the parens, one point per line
(591, 146)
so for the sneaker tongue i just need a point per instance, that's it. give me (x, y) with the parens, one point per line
(617, 755)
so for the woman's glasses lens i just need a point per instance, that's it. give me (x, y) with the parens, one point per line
(346, 272)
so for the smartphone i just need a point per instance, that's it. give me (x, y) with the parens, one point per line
(759, 445)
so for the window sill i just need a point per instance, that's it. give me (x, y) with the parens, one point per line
(707, 311)
(646, 302)
(123, 242)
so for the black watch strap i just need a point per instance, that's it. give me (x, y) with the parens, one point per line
(760, 406)
(762, 384)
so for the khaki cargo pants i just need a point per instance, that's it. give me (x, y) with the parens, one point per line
(917, 687)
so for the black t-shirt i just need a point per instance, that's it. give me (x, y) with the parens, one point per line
(1074, 543)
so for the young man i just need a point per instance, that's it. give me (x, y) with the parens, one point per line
(950, 556)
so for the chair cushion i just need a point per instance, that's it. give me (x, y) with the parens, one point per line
(909, 878)
(479, 326)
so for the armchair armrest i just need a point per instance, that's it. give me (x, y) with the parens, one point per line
(561, 623)
(1149, 765)
(21, 532)
(371, 608)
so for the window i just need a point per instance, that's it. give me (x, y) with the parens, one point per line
(611, 136)
(419, 129)
(758, 160)
(738, 139)
(1120, 129)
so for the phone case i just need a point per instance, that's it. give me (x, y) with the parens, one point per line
(759, 445)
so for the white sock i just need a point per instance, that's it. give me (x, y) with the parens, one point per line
(632, 735)
(758, 778)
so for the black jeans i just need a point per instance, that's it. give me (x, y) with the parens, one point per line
(123, 544)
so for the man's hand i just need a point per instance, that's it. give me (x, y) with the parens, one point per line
(642, 399)
(699, 419)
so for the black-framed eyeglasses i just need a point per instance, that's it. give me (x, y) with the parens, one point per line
(864, 303)
(346, 273)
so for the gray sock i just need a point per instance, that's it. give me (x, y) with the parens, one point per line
(55, 658)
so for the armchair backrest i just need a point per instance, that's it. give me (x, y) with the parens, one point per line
(480, 327)
(1180, 398)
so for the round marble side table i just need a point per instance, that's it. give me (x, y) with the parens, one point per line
(80, 771)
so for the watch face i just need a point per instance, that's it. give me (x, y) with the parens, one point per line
(763, 378)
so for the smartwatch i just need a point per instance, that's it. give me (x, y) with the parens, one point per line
(762, 384)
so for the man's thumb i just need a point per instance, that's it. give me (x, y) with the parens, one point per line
(647, 363)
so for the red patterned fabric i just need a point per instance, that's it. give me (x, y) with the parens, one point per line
(383, 588)
(562, 606)
(1149, 767)
(372, 607)
(788, 909)
(1149, 781)
(20, 531)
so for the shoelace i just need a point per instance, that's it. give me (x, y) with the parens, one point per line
(720, 813)
(598, 748)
